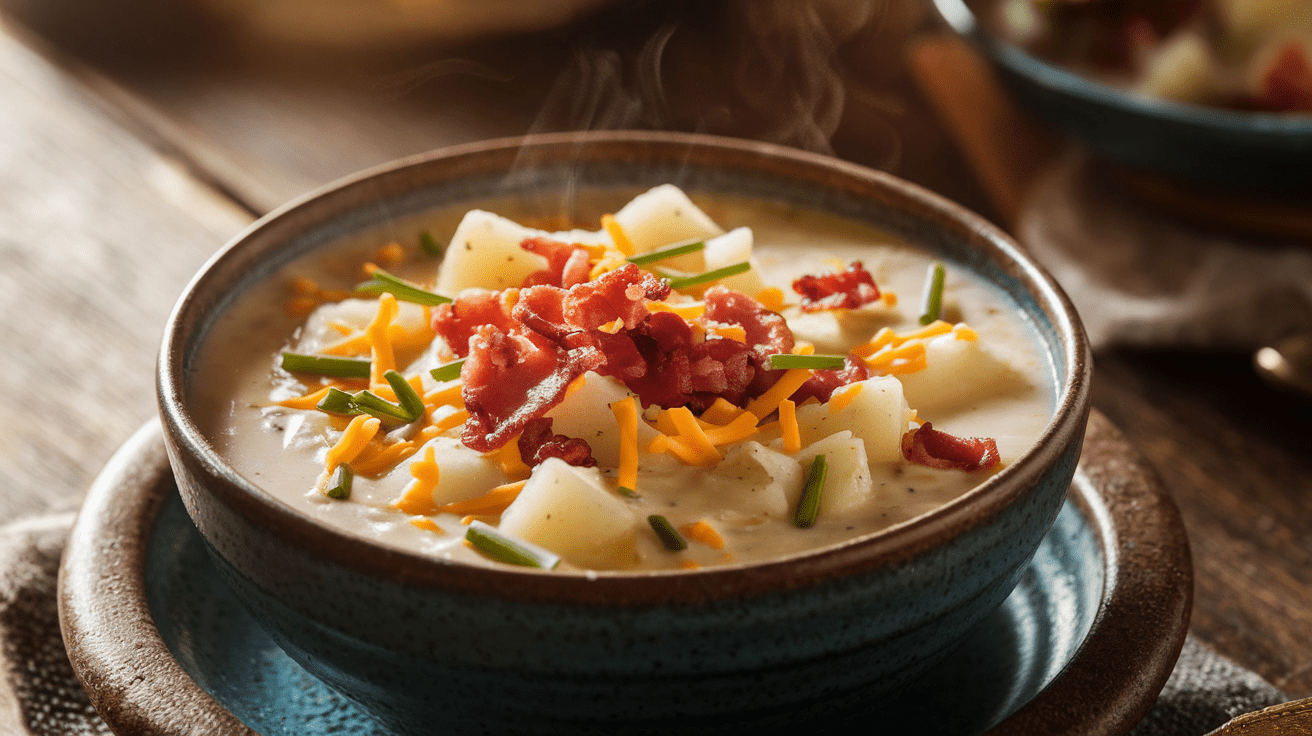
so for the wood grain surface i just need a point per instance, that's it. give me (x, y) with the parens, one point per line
(131, 153)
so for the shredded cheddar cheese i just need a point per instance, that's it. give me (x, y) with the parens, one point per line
(766, 403)
(384, 359)
(452, 420)
(736, 431)
(703, 532)
(390, 254)
(721, 412)
(962, 332)
(417, 498)
(617, 234)
(308, 401)
(772, 298)
(353, 440)
(508, 460)
(730, 332)
(492, 503)
(626, 417)
(788, 428)
(687, 310)
(839, 401)
(427, 524)
(377, 459)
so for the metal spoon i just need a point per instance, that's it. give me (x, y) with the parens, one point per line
(1287, 365)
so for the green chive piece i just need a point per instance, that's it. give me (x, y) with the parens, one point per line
(375, 405)
(448, 372)
(502, 548)
(809, 507)
(669, 536)
(626, 491)
(406, 395)
(670, 252)
(709, 276)
(784, 361)
(324, 365)
(383, 281)
(430, 244)
(338, 402)
(339, 485)
(932, 301)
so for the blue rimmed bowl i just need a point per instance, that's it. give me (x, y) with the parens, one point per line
(1251, 152)
(428, 645)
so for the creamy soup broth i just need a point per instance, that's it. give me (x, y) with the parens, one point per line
(282, 450)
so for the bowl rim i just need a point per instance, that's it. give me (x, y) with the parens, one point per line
(1061, 81)
(878, 550)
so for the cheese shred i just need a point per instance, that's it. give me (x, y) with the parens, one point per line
(626, 416)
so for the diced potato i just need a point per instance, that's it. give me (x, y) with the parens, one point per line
(753, 480)
(878, 415)
(463, 473)
(571, 512)
(1180, 69)
(957, 373)
(585, 413)
(848, 485)
(484, 253)
(835, 331)
(663, 216)
(319, 333)
(733, 247)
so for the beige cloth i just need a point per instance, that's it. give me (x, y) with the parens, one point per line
(1142, 278)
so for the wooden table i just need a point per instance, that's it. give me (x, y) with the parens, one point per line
(132, 146)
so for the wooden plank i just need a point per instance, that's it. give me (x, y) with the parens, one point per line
(98, 235)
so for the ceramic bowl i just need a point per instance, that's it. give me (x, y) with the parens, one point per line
(428, 645)
(1229, 150)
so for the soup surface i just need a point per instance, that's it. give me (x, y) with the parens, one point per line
(667, 411)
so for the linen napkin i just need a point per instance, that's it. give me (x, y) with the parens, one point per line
(40, 696)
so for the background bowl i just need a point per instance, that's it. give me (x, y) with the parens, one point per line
(426, 644)
(1241, 151)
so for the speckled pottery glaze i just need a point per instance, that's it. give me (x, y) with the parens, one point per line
(425, 645)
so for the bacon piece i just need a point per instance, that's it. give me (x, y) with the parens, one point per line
(824, 382)
(929, 447)
(567, 264)
(538, 442)
(457, 321)
(766, 331)
(510, 379)
(620, 294)
(1286, 84)
(847, 289)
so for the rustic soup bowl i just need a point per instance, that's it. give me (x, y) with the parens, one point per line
(429, 645)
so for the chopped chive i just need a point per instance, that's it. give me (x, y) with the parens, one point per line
(662, 254)
(626, 491)
(325, 365)
(669, 536)
(339, 485)
(809, 506)
(383, 281)
(705, 278)
(375, 405)
(406, 395)
(497, 546)
(814, 362)
(430, 244)
(932, 302)
(448, 372)
(338, 402)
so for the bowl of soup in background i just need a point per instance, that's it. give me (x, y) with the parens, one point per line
(1256, 152)
(425, 642)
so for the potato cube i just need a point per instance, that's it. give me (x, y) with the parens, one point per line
(848, 485)
(571, 512)
(878, 415)
(755, 480)
(585, 413)
(733, 247)
(957, 373)
(663, 216)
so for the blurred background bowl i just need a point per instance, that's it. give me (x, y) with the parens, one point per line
(1251, 152)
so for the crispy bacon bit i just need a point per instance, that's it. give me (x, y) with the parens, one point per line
(537, 443)
(567, 264)
(846, 289)
(457, 321)
(929, 447)
(823, 383)
(767, 332)
(510, 379)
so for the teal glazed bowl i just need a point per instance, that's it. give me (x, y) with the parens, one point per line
(432, 646)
